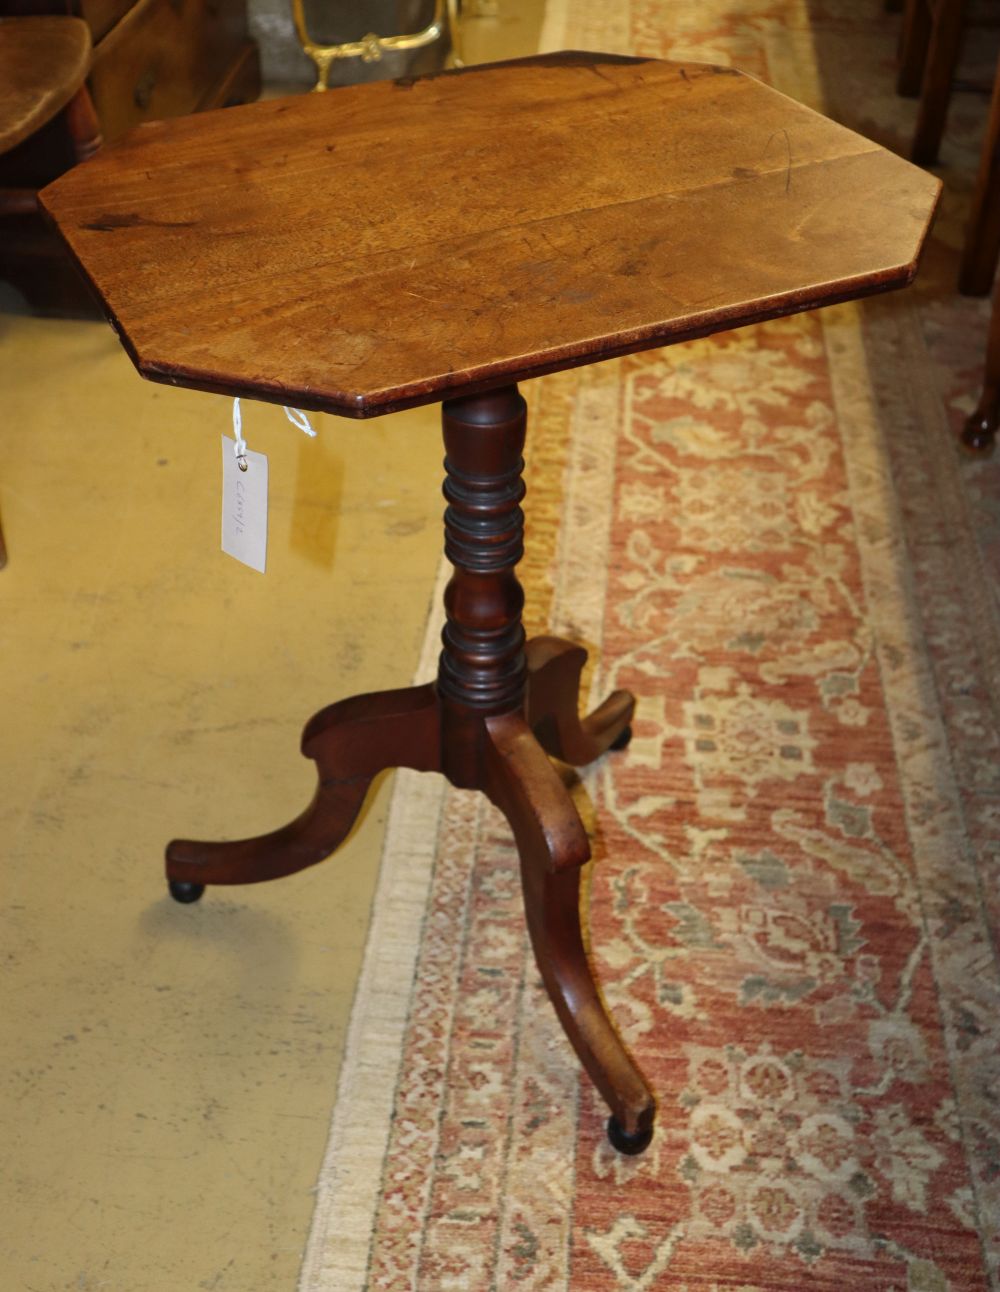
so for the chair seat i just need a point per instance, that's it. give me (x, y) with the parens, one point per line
(43, 62)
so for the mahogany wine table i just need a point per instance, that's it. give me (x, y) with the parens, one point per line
(441, 239)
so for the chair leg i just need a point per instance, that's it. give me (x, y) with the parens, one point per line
(84, 128)
(982, 239)
(980, 430)
(455, 33)
(914, 39)
(935, 90)
(18, 201)
(85, 136)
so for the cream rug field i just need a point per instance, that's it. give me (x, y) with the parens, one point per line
(770, 537)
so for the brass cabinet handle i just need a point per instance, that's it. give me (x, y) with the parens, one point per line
(371, 47)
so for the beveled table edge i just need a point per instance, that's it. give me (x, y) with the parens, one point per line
(361, 406)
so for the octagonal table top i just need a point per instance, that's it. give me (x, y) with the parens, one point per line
(398, 242)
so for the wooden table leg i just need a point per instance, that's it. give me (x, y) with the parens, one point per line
(474, 724)
(553, 846)
(980, 429)
(935, 91)
(914, 40)
(351, 743)
(982, 235)
(492, 689)
(554, 669)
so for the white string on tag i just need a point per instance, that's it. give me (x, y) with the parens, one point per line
(240, 447)
(294, 415)
(298, 418)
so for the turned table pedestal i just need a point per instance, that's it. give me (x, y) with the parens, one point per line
(439, 240)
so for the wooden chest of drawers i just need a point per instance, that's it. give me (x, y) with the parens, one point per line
(152, 59)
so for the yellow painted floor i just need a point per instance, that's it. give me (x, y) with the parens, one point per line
(168, 1072)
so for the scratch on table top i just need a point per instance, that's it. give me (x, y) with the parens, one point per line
(788, 146)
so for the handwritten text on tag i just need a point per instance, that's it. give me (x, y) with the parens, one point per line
(244, 506)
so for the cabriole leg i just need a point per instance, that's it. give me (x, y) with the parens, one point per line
(553, 846)
(554, 670)
(351, 742)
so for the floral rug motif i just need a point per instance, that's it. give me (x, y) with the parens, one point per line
(769, 536)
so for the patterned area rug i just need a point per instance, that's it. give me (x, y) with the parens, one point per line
(770, 537)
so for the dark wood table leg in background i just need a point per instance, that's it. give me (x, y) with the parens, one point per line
(914, 41)
(979, 432)
(982, 236)
(477, 724)
(935, 91)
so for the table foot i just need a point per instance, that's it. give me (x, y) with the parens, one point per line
(630, 1145)
(553, 846)
(554, 670)
(185, 892)
(351, 742)
(979, 432)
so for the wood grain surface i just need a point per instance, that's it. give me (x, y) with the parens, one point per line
(390, 244)
(43, 62)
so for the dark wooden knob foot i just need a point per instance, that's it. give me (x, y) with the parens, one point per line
(623, 740)
(979, 433)
(629, 1144)
(184, 891)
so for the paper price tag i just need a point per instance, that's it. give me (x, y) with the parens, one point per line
(244, 506)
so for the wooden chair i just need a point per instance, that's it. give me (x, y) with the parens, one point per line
(43, 64)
